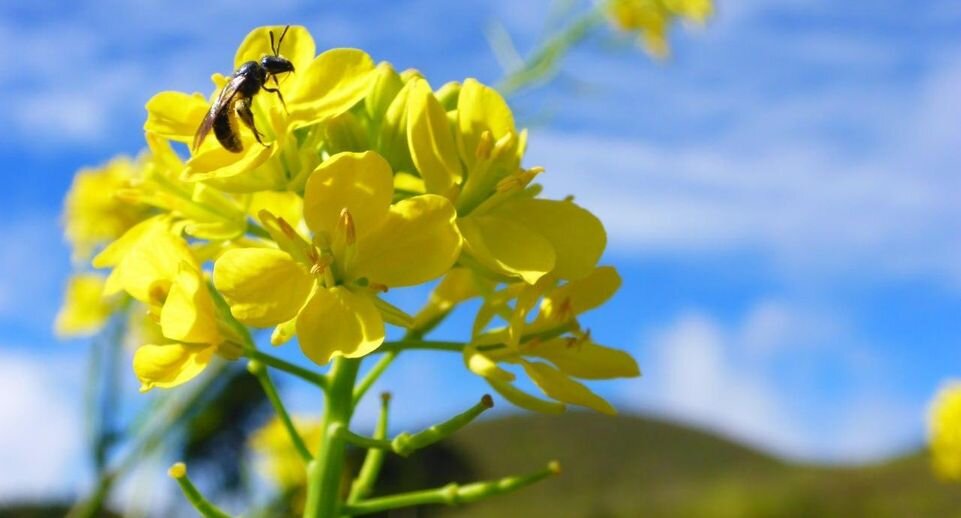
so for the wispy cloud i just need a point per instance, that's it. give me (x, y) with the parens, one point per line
(762, 379)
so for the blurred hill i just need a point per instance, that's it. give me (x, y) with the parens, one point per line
(638, 467)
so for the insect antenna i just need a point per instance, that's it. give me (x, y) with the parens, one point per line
(272, 47)
(279, 41)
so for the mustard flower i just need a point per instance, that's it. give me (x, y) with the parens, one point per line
(651, 19)
(944, 431)
(85, 309)
(93, 215)
(326, 289)
(156, 267)
(321, 88)
(471, 154)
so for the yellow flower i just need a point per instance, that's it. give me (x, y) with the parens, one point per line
(551, 348)
(157, 268)
(362, 244)
(84, 310)
(320, 89)
(944, 431)
(652, 18)
(476, 164)
(279, 459)
(93, 214)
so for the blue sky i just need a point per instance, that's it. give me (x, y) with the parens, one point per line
(781, 198)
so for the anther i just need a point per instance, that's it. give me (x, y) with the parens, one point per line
(485, 145)
(346, 226)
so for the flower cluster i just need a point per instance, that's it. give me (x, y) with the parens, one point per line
(367, 180)
(651, 19)
(944, 431)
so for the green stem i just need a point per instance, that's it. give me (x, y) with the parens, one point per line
(324, 472)
(543, 62)
(373, 374)
(260, 372)
(404, 443)
(203, 506)
(452, 494)
(364, 483)
(272, 361)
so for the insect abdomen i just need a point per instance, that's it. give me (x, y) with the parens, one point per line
(225, 128)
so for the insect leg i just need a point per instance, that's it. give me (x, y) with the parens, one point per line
(279, 95)
(247, 117)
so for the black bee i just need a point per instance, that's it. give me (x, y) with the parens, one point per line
(235, 99)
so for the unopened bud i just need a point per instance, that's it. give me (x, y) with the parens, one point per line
(177, 471)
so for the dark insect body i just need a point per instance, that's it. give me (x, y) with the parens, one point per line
(235, 99)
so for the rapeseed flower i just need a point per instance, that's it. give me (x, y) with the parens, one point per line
(944, 431)
(362, 244)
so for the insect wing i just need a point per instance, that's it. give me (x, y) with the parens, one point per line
(223, 102)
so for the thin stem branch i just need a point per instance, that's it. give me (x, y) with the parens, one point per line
(373, 374)
(272, 361)
(408, 345)
(367, 477)
(203, 506)
(451, 494)
(404, 443)
(260, 372)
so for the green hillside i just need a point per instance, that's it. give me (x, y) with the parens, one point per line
(637, 467)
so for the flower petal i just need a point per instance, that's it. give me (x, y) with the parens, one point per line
(175, 115)
(170, 365)
(236, 172)
(431, 142)
(480, 108)
(339, 322)
(557, 385)
(298, 46)
(577, 236)
(188, 314)
(263, 286)
(525, 400)
(362, 183)
(578, 296)
(507, 247)
(330, 85)
(150, 267)
(418, 241)
(585, 360)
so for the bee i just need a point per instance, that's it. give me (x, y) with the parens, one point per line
(237, 96)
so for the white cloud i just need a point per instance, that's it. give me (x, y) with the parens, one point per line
(750, 381)
(42, 436)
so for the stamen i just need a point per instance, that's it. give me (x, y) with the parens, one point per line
(345, 225)
(485, 145)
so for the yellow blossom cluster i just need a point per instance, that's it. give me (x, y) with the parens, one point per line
(651, 19)
(944, 431)
(367, 180)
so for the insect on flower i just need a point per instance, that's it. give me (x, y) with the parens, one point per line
(235, 99)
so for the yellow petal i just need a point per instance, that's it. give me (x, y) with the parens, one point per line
(188, 314)
(263, 286)
(235, 172)
(507, 247)
(431, 142)
(170, 365)
(298, 46)
(578, 296)
(84, 309)
(557, 385)
(482, 365)
(339, 322)
(284, 204)
(148, 270)
(577, 236)
(525, 400)
(480, 108)
(586, 360)
(416, 242)
(175, 115)
(362, 183)
(330, 85)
